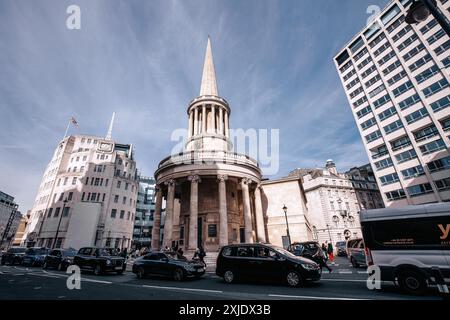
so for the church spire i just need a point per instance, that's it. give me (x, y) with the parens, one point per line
(209, 84)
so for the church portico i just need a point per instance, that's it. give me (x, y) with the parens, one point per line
(212, 193)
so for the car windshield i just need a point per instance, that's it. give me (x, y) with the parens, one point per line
(284, 252)
(175, 256)
(36, 252)
(69, 253)
(18, 250)
(105, 252)
(340, 244)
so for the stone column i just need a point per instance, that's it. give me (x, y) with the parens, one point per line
(260, 230)
(227, 127)
(247, 212)
(221, 120)
(157, 219)
(204, 118)
(191, 119)
(193, 214)
(195, 121)
(169, 213)
(223, 217)
(213, 118)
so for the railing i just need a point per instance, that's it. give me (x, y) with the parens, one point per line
(208, 157)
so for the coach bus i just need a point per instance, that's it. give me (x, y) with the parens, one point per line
(410, 244)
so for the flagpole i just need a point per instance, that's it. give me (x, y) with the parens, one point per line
(67, 129)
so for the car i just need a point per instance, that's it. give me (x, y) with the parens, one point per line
(167, 264)
(307, 250)
(34, 257)
(99, 260)
(267, 262)
(13, 256)
(59, 259)
(341, 248)
(356, 253)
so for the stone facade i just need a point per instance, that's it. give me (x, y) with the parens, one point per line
(334, 200)
(212, 193)
(88, 191)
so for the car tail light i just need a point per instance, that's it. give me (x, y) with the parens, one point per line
(369, 258)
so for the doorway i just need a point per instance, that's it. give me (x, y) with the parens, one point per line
(200, 231)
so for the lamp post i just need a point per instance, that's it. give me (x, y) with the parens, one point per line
(59, 223)
(420, 10)
(287, 224)
(329, 233)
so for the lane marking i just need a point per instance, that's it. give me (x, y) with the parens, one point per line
(96, 281)
(42, 275)
(182, 289)
(343, 280)
(312, 297)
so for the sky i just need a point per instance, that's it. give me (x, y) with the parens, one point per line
(143, 60)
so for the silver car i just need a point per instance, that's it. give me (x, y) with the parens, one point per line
(356, 252)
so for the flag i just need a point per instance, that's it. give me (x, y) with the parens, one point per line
(74, 121)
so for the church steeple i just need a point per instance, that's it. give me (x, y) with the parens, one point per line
(209, 126)
(209, 84)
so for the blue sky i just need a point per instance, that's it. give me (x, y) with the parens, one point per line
(143, 60)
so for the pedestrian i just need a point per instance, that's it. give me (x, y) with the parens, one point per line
(319, 257)
(330, 252)
(180, 253)
(325, 249)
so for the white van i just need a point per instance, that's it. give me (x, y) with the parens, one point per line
(410, 244)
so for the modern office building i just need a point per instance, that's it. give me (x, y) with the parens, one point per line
(87, 195)
(9, 219)
(396, 77)
(145, 210)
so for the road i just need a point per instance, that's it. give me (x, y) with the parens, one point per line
(344, 283)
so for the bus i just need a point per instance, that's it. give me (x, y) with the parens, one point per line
(410, 245)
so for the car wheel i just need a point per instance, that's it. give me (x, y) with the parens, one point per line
(98, 270)
(293, 279)
(412, 282)
(140, 273)
(228, 276)
(354, 263)
(178, 275)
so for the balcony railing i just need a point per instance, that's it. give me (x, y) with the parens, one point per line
(208, 157)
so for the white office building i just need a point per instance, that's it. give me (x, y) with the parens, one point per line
(87, 196)
(396, 77)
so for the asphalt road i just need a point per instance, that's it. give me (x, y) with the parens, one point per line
(344, 283)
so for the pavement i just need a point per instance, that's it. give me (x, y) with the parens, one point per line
(344, 283)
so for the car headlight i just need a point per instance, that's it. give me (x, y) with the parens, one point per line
(108, 262)
(310, 267)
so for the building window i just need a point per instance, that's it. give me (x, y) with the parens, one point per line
(49, 213)
(106, 182)
(57, 211)
(124, 200)
(122, 214)
(70, 196)
(336, 221)
(113, 213)
(74, 180)
(65, 213)
(443, 184)
(118, 184)
(212, 230)
(82, 196)
(93, 196)
(420, 189)
(126, 186)
(108, 242)
(413, 172)
(116, 243)
(116, 198)
(439, 165)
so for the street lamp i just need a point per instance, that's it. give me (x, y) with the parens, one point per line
(420, 10)
(329, 233)
(287, 224)
(59, 223)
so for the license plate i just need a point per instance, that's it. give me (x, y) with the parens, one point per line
(118, 268)
(200, 270)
